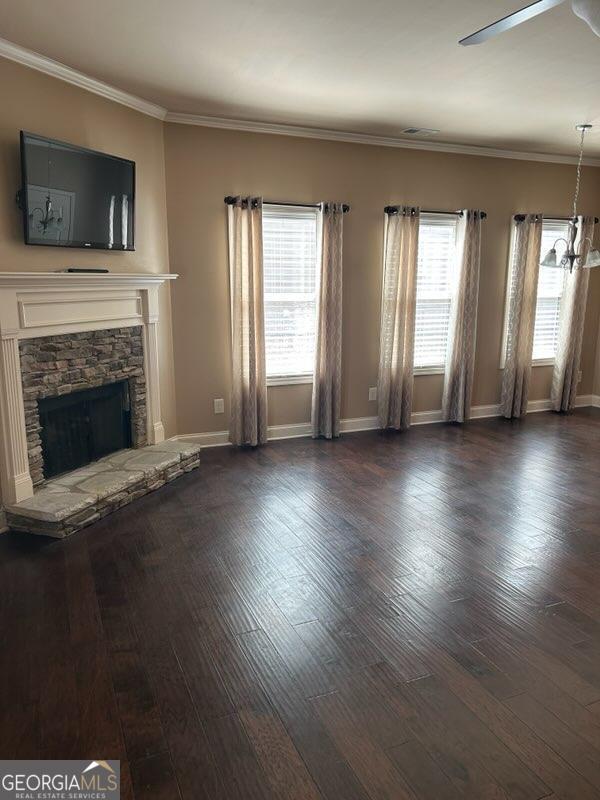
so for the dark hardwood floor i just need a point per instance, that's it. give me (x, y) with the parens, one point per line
(384, 616)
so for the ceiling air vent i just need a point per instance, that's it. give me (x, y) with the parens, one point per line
(421, 131)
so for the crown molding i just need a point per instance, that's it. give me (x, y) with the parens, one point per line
(22, 55)
(57, 70)
(277, 129)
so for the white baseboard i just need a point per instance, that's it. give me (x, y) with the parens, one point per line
(425, 417)
(539, 405)
(303, 429)
(295, 431)
(210, 439)
(359, 424)
(429, 417)
(483, 412)
(588, 400)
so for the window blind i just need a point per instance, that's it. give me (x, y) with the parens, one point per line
(290, 272)
(551, 282)
(435, 286)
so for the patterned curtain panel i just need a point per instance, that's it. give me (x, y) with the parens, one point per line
(398, 305)
(570, 336)
(327, 384)
(521, 315)
(248, 424)
(460, 360)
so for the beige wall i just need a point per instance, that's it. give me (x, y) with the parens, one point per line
(37, 103)
(203, 165)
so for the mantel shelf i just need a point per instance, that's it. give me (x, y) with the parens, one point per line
(100, 280)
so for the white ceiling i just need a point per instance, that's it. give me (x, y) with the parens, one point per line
(350, 65)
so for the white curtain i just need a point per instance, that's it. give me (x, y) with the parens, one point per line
(527, 242)
(248, 423)
(327, 384)
(572, 318)
(460, 359)
(398, 304)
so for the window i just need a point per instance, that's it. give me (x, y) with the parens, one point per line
(290, 282)
(551, 282)
(435, 287)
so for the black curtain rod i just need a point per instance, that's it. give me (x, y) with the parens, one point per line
(394, 210)
(521, 217)
(230, 200)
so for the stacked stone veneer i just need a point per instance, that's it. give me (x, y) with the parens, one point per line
(57, 365)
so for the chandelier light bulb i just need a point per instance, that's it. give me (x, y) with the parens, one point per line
(593, 259)
(550, 259)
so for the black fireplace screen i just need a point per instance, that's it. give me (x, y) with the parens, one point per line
(83, 426)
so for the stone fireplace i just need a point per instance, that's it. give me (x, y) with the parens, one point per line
(64, 333)
(60, 366)
(41, 310)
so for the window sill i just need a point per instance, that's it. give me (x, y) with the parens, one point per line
(538, 362)
(288, 380)
(429, 370)
(543, 362)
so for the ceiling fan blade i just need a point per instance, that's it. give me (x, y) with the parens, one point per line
(506, 23)
(589, 11)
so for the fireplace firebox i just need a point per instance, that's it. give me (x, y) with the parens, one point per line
(82, 426)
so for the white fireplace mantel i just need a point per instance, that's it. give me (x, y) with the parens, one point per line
(34, 304)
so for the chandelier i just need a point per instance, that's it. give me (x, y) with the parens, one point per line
(571, 257)
(47, 221)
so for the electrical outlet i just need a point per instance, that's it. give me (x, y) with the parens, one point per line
(579, 376)
(373, 393)
(219, 405)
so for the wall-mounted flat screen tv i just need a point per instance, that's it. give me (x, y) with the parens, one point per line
(74, 197)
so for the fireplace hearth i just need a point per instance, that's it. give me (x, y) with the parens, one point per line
(79, 498)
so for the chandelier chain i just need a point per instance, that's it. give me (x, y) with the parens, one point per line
(578, 181)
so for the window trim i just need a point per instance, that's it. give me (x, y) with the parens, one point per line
(535, 362)
(543, 362)
(435, 369)
(295, 211)
(290, 380)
